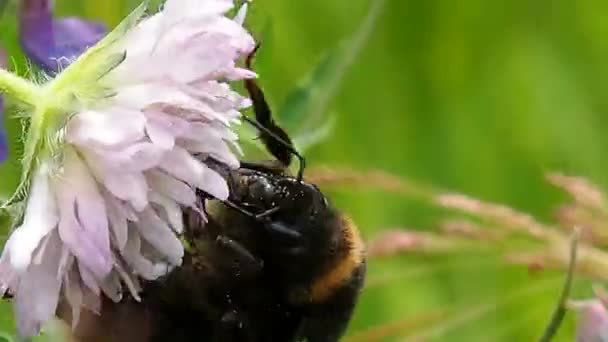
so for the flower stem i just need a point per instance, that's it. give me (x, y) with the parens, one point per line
(18, 88)
(560, 312)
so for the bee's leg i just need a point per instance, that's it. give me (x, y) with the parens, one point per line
(274, 137)
(288, 241)
(237, 248)
(244, 262)
(283, 231)
(258, 217)
(276, 229)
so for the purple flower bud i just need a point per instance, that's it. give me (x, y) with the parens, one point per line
(52, 44)
(3, 142)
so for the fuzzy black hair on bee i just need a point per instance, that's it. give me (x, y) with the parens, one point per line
(275, 262)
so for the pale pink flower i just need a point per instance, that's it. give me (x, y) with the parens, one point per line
(592, 323)
(106, 210)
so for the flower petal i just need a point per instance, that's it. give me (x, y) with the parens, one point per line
(83, 223)
(89, 279)
(140, 264)
(160, 134)
(112, 127)
(37, 294)
(112, 287)
(73, 294)
(124, 185)
(215, 148)
(170, 187)
(39, 220)
(130, 280)
(135, 157)
(118, 222)
(182, 165)
(171, 211)
(158, 234)
(239, 18)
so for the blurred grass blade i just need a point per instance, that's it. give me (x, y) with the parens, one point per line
(470, 314)
(352, 179)
(305, 140)
(558, 315)
(296, 111)
(305, 109)
(392, 329)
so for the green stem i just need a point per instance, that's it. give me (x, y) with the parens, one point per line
(560, 311)
(18, 88)
(33, 145)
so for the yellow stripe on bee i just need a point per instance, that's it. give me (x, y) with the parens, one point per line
(327, 284)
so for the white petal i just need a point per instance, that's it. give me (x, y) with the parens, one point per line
(215, 148)
(239, 18)
(182, 165)
(129, 187)
(218, 95)
(112, 287)
(66, 262)
(236, 74)
(118, 222)
(140, 96)
(37, 294)
(144, 267)
(130, 280)
(173, 124)
(150, 95)
(158, 234)
(170, 187)
(40, 218)
(112, 127)
(203, 131)
(89, 279)
(39, 253)
(171, 210)
(133, 158)
(73, 294)
(160, 135)
(83, 224)
(9, 277)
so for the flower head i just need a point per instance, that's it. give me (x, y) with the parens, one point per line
(53, 43)
(110, 156)
(592, 323)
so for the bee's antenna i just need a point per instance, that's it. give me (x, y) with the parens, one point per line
(275, 139)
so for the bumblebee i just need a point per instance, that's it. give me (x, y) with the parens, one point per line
(274, 263)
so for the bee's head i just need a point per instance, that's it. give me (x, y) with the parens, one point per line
(294, 218)
(279, 198)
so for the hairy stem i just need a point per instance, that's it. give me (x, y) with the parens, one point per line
(18, 88)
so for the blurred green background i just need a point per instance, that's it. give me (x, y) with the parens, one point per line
(481, 97)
